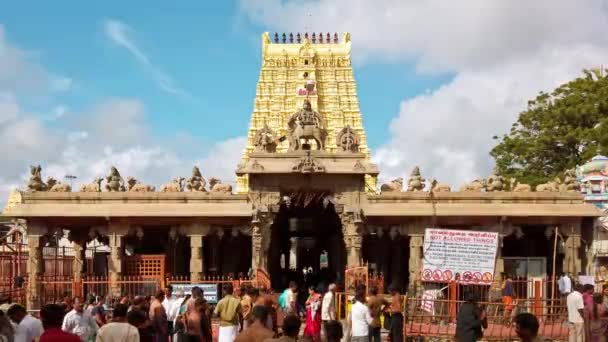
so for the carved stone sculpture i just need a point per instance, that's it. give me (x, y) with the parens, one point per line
(35, 182)
(306, 124)
(475, 186)
(396, 185)
(550, 186)
(308, 164)
(495, 182)
(264, 140)
(55, 186)
(175, 186)
(348, 140)
(570, 183)
(135, 186)
(114, 181)
(95, 186)
(215, 185)
(416, 182)
(196, 182)
(517, 187)
(440, 187)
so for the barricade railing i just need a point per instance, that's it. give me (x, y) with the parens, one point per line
(131, 286)
(432, 318)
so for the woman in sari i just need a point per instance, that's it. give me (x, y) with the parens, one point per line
(598, 319)
(312, 329)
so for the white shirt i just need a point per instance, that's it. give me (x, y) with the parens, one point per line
(565, 285)
(360, 319)
(174, 309)
(117, 332)
(575, 302)
(81, 324)
(167, 305)
(328, 309)
(29, 329)
(290, 300)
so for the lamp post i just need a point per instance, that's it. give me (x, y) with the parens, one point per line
(70, 178)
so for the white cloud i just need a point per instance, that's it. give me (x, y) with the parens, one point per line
(501, 54)
(112, 132)
(120, 33)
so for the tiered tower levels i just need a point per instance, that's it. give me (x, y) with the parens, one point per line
(289, 62)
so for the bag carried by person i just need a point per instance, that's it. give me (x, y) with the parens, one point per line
(283, 299)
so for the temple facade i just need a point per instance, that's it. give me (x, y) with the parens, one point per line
(306, 201)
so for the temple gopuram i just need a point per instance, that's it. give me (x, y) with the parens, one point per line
(306, 201)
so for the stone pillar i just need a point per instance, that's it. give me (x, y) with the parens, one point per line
(196, 257)
(500, 261)
(260, 240)
(115, 262)
(196, 232)
(34, 270)
(415, 262)
(353, 250)
(572, 260)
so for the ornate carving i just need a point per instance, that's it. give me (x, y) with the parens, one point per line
(35, 182)
(134, 185)
(114, 181)
(570, 183)
(264, 140)
(308, 164)
(359, 166)
(175, 186)
(416, 182)
(550, 186)
(475, 186)
(518, 187)
(306, 124)
(396, 185)
(55, 186)
(14, 198)
(215, 185)
(495, 182)
(256, 166)
(347, 140)
(94, 186)
(196, 182)
(439, 187)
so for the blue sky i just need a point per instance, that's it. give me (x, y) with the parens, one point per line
(155, 87)
(207, 49)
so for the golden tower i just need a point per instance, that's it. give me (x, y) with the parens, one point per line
(292, 65)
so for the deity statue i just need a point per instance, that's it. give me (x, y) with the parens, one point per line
(416, 182)
(35, 183)
(306, 124)
(135, 186)
(495, 182)
(176, 185)
(264, 140)
(196, 182)
(515, 186)
(348, 140)
(396, 185)
(215, 185)
(114, 181)
(550, 186)
(475, 186)
(570, 183)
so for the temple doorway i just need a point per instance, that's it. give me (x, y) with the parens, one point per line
(387, 253)
(161, 240)
(306, 245)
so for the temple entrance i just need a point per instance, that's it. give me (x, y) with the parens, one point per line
(307, 245)
(387, 255)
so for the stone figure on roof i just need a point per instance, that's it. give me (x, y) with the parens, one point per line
(495, 182)
(114, 181)
(264, 140)
(196, 182)
(306, 124)
(570, 181)
(416, 182)
(348, 140)
(35, 182)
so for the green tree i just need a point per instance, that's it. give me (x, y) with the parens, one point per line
(557, 132)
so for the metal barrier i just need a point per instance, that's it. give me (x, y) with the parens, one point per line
(432, 318)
